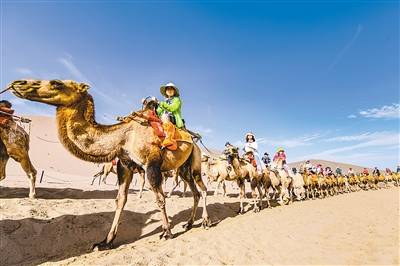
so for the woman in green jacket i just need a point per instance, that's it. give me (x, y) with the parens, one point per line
(170, 113)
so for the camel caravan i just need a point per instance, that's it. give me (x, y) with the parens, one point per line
(154, 143)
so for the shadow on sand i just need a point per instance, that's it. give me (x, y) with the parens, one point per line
(59, 193)
(32, 241)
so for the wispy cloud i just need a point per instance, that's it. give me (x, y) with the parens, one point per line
(376, 140)
(291, 142)
(348, 45)
(26, 72)
(351, 116)
(386, 112)
(77, 74)
(287, 142)
(360, 137)
(202, 130)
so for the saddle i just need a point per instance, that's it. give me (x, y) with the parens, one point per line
(5, 115)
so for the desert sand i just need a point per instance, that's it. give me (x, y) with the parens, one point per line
(69, 215)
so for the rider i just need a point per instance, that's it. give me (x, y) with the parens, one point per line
(6, 112)
(338, 171)
(149, 112)
(398, 169)
(320, 170)
(376, 172)
(280, 155)
(170, 113)
(308, 165)
(252, 146)
(328, 171)
(350, 172)
(365, 171)
(266, 160)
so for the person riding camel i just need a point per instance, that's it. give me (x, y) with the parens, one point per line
(6, 112)
(365, 172)
(280, 155)
(266, 160)
(170, 113)
(251, 146)
(320, 169)
(150, 104)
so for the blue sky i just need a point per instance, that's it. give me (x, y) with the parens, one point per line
(320, 79)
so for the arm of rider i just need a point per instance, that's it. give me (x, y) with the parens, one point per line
(174, 106)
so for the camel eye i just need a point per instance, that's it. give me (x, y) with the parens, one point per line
(56, 82)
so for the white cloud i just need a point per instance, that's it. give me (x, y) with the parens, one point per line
(359, 137)
(351, 116)
(348, 45)
(375, 140)
(78, 74)
(26, 72)
(386, 111)
(290, 142)
(202, 130)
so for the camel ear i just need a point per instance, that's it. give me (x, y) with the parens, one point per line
(83, 87)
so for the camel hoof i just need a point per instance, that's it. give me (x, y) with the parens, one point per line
(32, 196)
(166, 234)
(240, 211)
(102, 246)
(206, 223)
(187, 226)
(256, 210)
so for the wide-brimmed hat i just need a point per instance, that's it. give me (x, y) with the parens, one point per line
(171, 85)
(249, 134)
(280, 149)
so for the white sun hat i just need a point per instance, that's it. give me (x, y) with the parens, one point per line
(169, 84)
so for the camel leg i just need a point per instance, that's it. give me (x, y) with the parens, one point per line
(124, 178)
(3, 163)
(142, 182)
(177, 184)
(224, 188)
(97, 175)
(30, 171)
(253, 185)
(107, 172)
(242, 192)
(185, 173)
(197, 178)
(155, 180)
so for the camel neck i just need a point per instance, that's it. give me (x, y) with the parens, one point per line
(84, 137)
(236, 166)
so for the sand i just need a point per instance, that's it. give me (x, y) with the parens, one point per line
(69, 215)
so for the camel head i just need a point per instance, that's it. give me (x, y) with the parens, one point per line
(53, 92)
(231, 153)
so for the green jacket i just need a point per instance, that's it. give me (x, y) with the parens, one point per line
(174, 108)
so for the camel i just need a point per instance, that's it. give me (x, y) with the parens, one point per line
(106, 169)
(14, 143)
(245, 171)
(218, 170)
(132, 142)
(298, 186)
(281, 182)
(110, 168)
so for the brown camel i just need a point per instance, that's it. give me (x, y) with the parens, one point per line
(218, 170)
(245, 171)
(131, 142)
(111, 168)
(14, 143)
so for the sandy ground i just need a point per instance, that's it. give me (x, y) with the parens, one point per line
(61, 225)
(69, 215)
